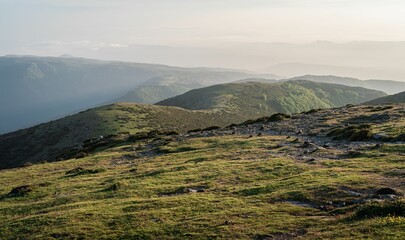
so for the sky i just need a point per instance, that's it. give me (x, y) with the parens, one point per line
(114, 29)
(197, 22)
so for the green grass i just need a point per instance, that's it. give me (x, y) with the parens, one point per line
(47, 141)
(247, 186)
(253, 99)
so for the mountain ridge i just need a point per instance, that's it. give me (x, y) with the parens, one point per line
(253, 99)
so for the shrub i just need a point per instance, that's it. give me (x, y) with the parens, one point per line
(312, 111)
(211, 128)
(21, 191)
(352, 133)
(81, 171)
(381, 209)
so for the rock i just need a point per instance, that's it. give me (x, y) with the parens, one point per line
(260, 134)
(195, 190)
(386, 191)
(308, 145)
(378, 145)
(380, 136)
(389, 197)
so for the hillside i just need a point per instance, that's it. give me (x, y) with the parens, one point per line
(160, 88)
(38, 89)
(46, 142)
(253, 99)
(262, 80)
(387, 86)
(396, 98)
(327, 174)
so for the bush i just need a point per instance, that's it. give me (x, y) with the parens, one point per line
(381, 209)
(21, 191)
(81, 171)
(211, 128)
(273, 118)
(352, 133)
(312, 111)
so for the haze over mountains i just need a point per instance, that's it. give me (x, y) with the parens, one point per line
(387, 86)
(359, 59)
(38, 89)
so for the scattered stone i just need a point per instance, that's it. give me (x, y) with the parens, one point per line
(28, 164)
(196, 190)
(389, 197)
(308, 145)
(380, 136)
(326, 145)
(311, 160)
(378, 145)
(80, 155)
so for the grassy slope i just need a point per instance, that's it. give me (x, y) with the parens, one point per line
(248, 183)
(160, 88)
(396, 98)
(44, 142)
(249, 100)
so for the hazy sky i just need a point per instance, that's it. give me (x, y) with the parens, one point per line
(93, 23)
(244, 34)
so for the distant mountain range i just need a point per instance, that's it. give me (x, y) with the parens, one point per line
(387, 86)
(253, 99)
(39, 89)
(163, 87)
(396, 98)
